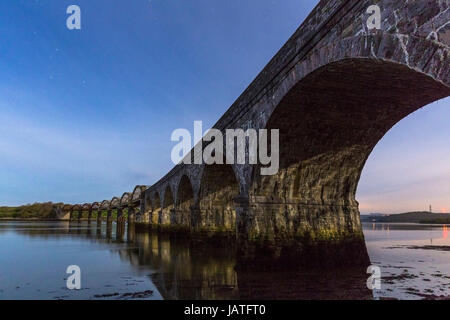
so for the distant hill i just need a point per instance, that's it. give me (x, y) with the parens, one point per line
(414, 217)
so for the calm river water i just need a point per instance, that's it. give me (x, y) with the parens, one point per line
(117, 263)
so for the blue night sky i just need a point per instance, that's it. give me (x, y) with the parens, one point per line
(87, 114)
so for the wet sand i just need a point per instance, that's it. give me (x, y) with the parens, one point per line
(414, 260)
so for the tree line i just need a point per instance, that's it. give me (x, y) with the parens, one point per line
(46, 210)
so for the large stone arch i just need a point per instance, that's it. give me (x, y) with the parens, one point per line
(331, 111)
(185, 201)
(218, 189)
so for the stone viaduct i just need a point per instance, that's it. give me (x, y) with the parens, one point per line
(333, 90)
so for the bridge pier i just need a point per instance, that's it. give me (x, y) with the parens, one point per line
(173, 217)
(120, 230)
(99, 217)
(119, 215)
(165, 217)
(154, 217)
(109, 217)
(108, 228)
(196, 214)
(131, 232)
(273, 236)
(131, 215)
(244, 223)
(142, 215)
(145, 217)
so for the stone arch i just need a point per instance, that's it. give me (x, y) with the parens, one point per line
(104, 205)
(86, 210)
(427, 57)
(125, 208)
(185, 200)
(125, 199)
(218, 189)
(137, 193)
(94, 210)
(331, 111)
(114, 203)
(76, 211)
(167, 216)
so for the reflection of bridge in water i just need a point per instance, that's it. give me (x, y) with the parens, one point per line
(182, 269)
(333, 90)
